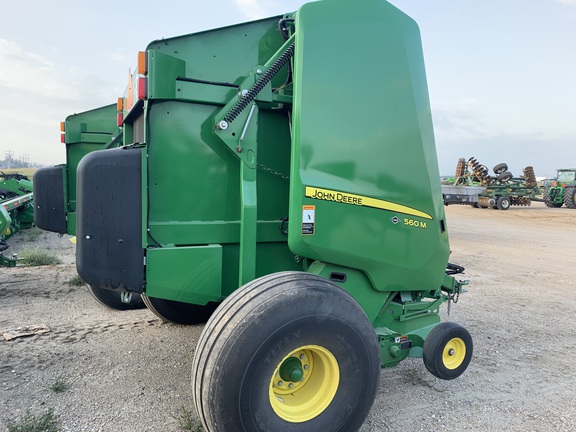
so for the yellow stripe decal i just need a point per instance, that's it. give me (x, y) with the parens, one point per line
(359, 200)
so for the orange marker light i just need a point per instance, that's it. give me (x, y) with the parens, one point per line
(62, 126)
(142, 63)
(120, 104)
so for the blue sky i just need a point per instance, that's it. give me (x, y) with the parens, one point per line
(501, 73)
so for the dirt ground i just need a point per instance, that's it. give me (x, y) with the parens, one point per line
(128, 371)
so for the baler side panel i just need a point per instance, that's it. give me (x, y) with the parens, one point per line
(363, 145)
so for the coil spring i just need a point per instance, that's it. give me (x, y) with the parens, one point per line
(529, 177)
(479, 170)
(235, 111)
(460, 168)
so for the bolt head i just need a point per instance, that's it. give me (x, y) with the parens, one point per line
(223, 125)
(280, 383)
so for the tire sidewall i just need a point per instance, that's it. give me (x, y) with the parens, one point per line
(433, 355)
(503, 203)
(310, 324)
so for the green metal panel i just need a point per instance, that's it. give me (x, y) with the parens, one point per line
(224, 55)
(197, 189)
(199, 274)
(84, 133)
(370, 164)
(194, 186)
(187, 274)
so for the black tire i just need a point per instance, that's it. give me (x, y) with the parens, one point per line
(266, 324)
(500, 168)
(112, 299)
(570, 197)
(447, 350)
(503, 203)
(548, 201)
(504, 177)
(178, 312)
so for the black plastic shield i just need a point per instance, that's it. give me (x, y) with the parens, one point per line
(49, 206)
(109, 250)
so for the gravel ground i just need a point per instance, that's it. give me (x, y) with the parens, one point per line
(128, 371)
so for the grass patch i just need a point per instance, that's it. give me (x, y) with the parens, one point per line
(33, 234)
(60, 385)
(187, 421)
(47, 422)
(76, 281)
(37, 257)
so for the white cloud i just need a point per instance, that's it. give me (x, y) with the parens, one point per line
(36, 95)
(459, 120)
(30, 72)
(568, 2)
(252, 9)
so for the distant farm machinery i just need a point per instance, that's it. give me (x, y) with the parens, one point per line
(474, 185)
(562, 190)
(16, 210)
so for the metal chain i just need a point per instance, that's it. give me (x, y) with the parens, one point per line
(274, 172)
(453, 298)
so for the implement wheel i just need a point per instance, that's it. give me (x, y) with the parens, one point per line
(447, 350)
(500, 168)
(504, 176)
(178, 312)
(113, 300)
(503, 203)
(287, 352)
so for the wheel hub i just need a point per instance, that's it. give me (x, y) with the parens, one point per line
(304, 383)
(291, 370)
(454, 353)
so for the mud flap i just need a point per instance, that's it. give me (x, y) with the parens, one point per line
(49, 205)
(109, 250)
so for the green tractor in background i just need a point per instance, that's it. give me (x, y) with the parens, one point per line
(562, 190)
(55, 194)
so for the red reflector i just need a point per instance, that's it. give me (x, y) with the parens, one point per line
(142, 87)
(119, 119)
(63, 138)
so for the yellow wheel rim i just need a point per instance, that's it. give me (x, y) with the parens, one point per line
(454, 353)
(308, 397)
